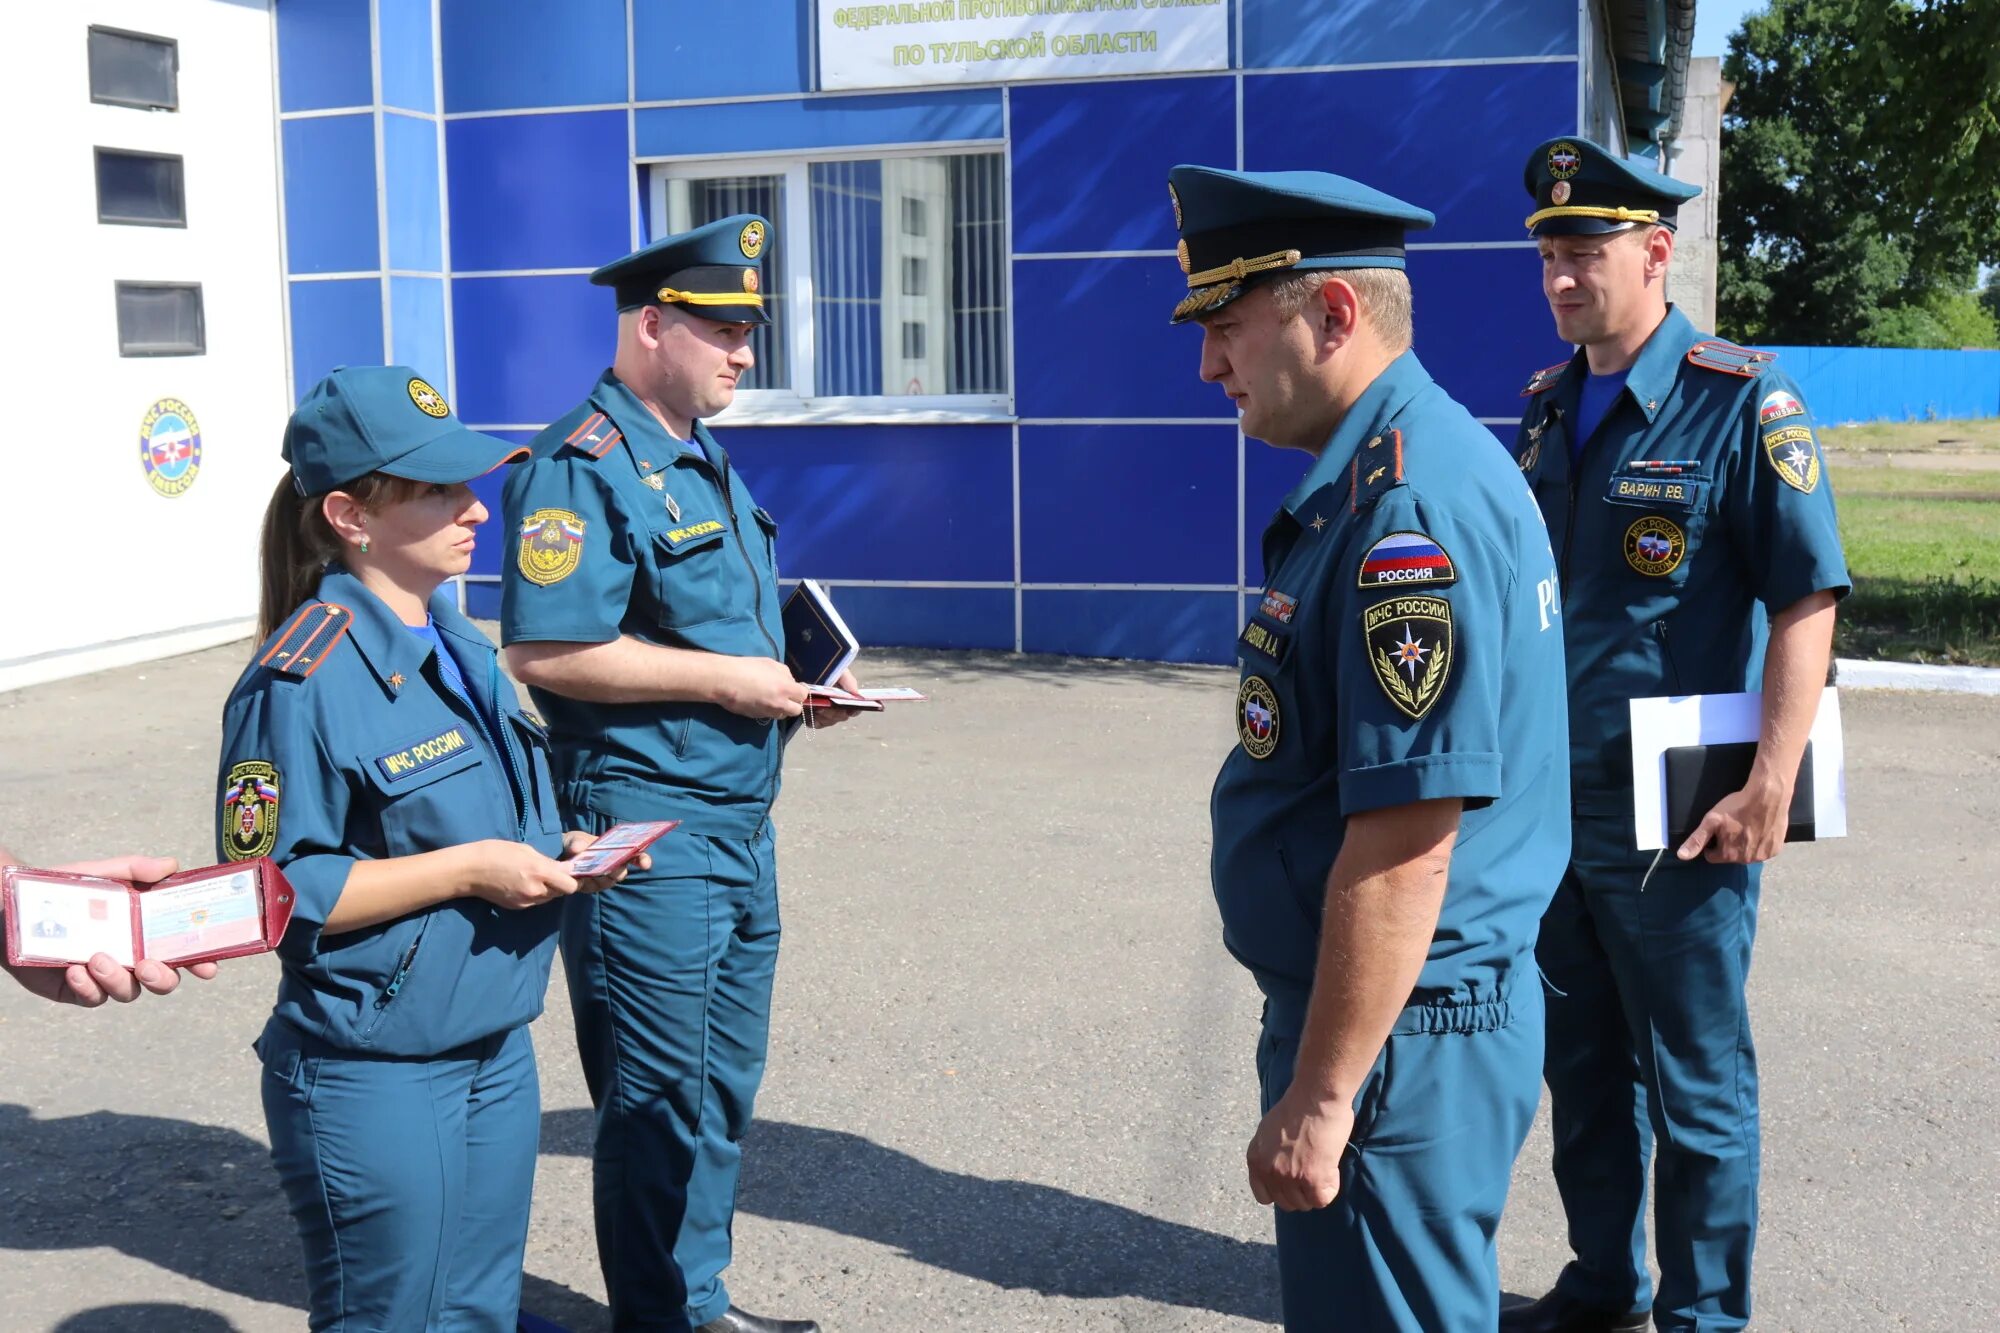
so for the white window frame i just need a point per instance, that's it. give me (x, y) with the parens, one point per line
(798, 404)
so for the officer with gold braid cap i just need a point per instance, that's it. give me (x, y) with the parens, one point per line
(1394, 815)
(1690, 512)
(641, 609)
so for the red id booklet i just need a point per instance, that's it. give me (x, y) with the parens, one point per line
(617, 845)
(58, 917)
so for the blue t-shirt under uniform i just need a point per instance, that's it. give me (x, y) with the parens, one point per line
(1599, 393)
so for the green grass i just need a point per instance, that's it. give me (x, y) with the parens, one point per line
(1877, 437)
(1924, 549)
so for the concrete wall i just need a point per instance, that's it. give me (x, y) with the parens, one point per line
(105, 567)
(1698, 160)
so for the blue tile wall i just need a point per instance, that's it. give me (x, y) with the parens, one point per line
(416, 327)
(330, 223)
(323, 57)
(410, 180)
(682, 52)
(930, 116)
(1404, 131)
(960, 618)
(1482, 325)
(895, 503)
(528, 349)
(495, 544)
(1284, 34)
(1128, 504)
(1091, 160)
(1155, 626)
(1091, 339)
(334, 323)
(409, 73)
(504, 54)
(543, 191)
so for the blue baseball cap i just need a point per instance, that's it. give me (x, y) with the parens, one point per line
(715, 271)
(363, 419)
(1239, 228)
(1581, 188)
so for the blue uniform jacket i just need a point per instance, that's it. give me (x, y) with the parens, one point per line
(340, 744)
(620, 529)
(1408, 647)
(1701, 496)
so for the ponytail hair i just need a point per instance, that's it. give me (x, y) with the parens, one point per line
(298, 543)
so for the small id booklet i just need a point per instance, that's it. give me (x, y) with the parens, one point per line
(618, 845)
(59, 917)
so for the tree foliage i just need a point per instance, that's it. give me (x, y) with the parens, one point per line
(1861, 173)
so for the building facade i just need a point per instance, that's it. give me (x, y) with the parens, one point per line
(970, 415)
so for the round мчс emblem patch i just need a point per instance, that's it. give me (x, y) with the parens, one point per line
(170, 446)
(1564, 160)
(1654, 546)
(1257, 717)
(428, 400)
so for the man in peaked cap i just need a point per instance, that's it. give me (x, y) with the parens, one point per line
(1689, 511)
(1393, 818)
(641, 610)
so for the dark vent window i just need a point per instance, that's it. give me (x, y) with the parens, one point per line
(160, 319)
(132, 69)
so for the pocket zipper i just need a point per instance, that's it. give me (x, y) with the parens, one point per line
(395, 986)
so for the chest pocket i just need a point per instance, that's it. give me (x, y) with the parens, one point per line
(1658, 522)
(427, 793)
(769, 526)
(697, 572)
(538, 755)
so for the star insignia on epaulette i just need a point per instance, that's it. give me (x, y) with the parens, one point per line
(1318, 524)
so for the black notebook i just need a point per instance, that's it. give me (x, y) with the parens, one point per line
(818, 644)
(1699, 776)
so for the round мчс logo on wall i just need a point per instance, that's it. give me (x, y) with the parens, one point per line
(170, 446)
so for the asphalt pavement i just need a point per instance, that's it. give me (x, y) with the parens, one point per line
(1010, 1077)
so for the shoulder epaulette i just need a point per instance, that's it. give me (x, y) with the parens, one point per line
(1377, 469)
(1727, 357)
(595, 437)
(301, 646)
(1544, 378)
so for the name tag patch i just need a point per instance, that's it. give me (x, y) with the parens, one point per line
(1657, 492)
(1273, 644)
(679, 537)
(413, 759)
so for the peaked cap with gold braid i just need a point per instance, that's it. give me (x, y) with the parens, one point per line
(1583, 189)
(1239, 228)
(715, 271)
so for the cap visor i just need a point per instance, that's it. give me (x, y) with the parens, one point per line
(455, 456)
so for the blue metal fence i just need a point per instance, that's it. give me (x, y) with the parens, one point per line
(1844, 384)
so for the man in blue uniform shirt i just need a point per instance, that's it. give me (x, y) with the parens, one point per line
(1393, 818)
(640, 607)
(1694, 526)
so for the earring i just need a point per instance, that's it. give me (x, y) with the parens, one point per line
(364, 546)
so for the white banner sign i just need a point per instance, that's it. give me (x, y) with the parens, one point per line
(919, 42)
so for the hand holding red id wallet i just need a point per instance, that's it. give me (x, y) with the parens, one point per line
(58, 917)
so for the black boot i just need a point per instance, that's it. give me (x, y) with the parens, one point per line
(734, 1320)
(1559, 1313)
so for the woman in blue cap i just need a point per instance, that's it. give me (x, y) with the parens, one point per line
(374, 751)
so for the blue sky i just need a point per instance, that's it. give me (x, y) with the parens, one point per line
(1714, 20)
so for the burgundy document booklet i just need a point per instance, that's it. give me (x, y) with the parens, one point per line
(58, 917)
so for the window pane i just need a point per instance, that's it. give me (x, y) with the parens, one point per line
(131, 70)
(159, 319)
(140, 188)
(693, 203)
(921, 334)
